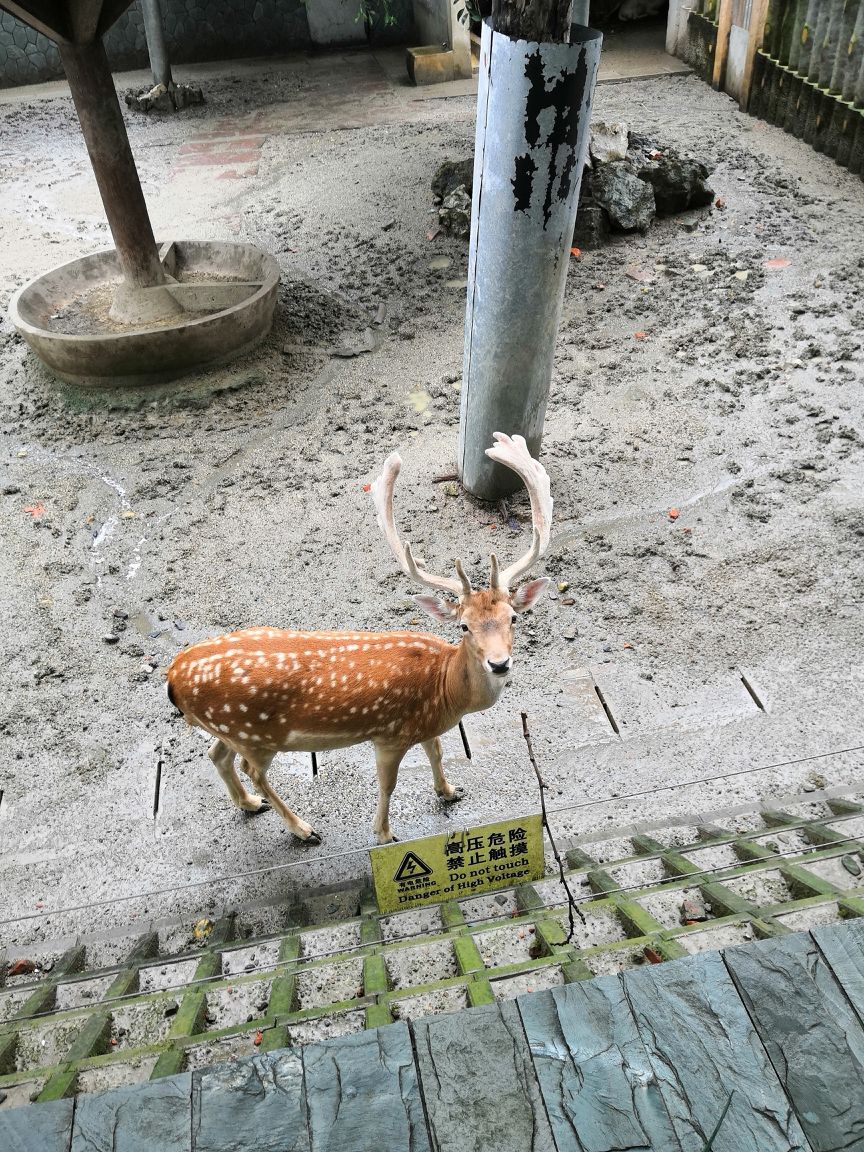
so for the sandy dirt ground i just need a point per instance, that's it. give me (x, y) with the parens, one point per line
(691, 373)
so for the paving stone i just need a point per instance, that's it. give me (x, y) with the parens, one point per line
(363, 1094)
(588, 1053)
(478, 1083)
(153, 1117)
(254, 1103)
(39, 1128)
(811, 1033)
(842, 945)
(703, 1049)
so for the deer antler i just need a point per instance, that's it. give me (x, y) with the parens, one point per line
(382, 494)
(513, 453)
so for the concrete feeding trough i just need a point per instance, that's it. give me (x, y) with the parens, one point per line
(137, 313)
(221, 301)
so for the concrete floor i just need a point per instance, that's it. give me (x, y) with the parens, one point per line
(237, 498)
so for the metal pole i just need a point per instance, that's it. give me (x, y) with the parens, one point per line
(92, 87)
(533, 106)
(155, 33)
(580, 12)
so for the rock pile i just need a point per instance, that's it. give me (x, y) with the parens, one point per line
(165, 99)
(451, 186)
(629, 180)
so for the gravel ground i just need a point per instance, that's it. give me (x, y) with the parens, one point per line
(690, 373)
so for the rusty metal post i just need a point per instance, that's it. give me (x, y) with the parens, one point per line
(160, 65)
(533, 108)
(92, 87)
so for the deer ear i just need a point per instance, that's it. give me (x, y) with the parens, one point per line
(526, 596)
(438, 609)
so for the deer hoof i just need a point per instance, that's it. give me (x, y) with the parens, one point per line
(312, 838)
(458, 793)
(264, 806)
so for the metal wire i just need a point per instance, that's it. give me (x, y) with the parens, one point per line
(300, 963)
(703, 780)
(310, 860)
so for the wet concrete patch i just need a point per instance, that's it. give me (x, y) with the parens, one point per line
(45, 1044)
(610, 963)
(806, 918)
(667, 906)
(77, 993)
(425, 921)
(541, 979)
(602, 926)
(329, 984)
(136, 1026)
(322, 1028)
(237, 1004)
(159, 977)
(327, 941)
(639, 874)
(10, 1003)
(258, 958)
(480, 908)
(221, 1051)
(835, 872)
(20, 1094)
(435, 1003)
(714, 857)
(422, 964)
(507, 945)
(723, 936)
(116, 1075)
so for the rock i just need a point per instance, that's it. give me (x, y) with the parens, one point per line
(451, 175)
(570, 633)
(608, 142)
(110, 638)
(356, 343)
(693, 911)
(628, 201)
(678, 181)
(455, 213)
(851, 865)
(591, 228)
(11, 489)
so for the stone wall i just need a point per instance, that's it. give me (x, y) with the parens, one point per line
(194, 30)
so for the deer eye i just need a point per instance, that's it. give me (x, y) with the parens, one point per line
(464, 627)
(513, 620)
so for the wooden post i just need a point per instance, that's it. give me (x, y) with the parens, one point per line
(724, 25)
(756, 31)
(102, 124)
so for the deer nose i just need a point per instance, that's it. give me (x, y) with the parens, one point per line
(500, 667)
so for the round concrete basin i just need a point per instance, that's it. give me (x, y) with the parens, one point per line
(225, 296)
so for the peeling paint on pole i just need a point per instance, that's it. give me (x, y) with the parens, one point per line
(533, 110)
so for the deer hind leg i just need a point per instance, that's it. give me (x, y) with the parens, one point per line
(255, 765)
(223, 757)
(387, 761)
(443, 788)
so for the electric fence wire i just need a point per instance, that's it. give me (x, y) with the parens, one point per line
(310, 861)
(301, 963)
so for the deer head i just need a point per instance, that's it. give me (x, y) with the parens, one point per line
(485, 615)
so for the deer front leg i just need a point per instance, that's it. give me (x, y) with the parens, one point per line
(223, 757)
(255, 765)
(387, 761)
(443, 788)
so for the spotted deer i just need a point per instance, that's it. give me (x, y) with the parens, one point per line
(265, 690)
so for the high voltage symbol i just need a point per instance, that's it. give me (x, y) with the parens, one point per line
(412, 867)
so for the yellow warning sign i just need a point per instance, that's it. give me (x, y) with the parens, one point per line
(411, 873)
